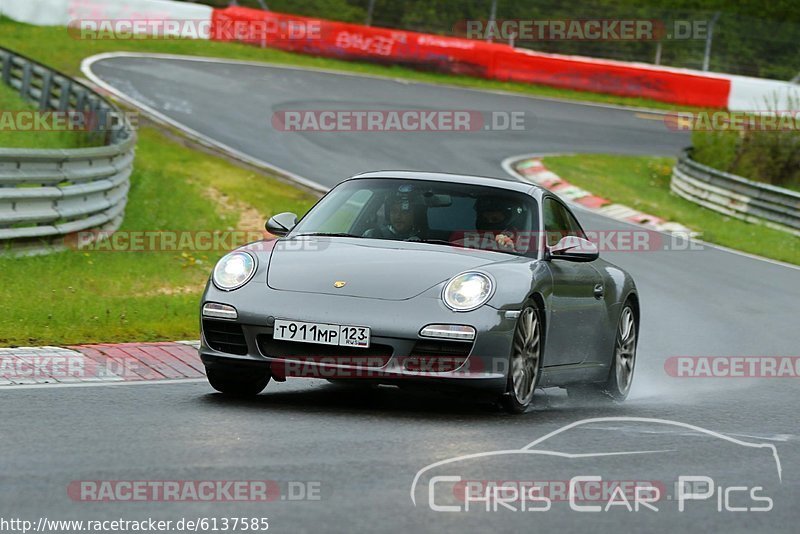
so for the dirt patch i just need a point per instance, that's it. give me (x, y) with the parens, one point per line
(180, 290)
(250, 220)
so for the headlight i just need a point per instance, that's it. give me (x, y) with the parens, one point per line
(234, 270)
(468, 291)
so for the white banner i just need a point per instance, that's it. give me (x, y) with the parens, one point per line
(38, 12)
(137, 10)
(66, 12)
(756, 94)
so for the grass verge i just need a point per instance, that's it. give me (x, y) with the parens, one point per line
(643, 183)
(12, 137)
(103, 296)
(54, 46)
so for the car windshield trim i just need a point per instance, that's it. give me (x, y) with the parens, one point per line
(467, 216)
(440, 242)
(327, 234)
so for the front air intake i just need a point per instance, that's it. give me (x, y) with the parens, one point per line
(225, 336)
(434, 356)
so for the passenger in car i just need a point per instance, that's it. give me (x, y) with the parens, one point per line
(495, 216)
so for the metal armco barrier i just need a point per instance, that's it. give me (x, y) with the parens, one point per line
(736, 196)
(45, 195)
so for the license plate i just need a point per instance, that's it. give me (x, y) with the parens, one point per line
(323, 334)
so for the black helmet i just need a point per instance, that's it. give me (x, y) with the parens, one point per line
(405, 201)
(509, 207)
(406, 196)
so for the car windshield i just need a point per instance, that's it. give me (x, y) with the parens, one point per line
(441, 213)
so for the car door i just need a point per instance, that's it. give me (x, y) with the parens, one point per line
(576, 302)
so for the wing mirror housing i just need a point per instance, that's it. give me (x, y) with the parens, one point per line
(572, 248)
(281, 224)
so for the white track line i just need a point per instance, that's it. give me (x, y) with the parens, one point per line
(162, 382)
(86, 68)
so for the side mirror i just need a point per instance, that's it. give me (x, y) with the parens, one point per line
(281, 224)
(573, 248)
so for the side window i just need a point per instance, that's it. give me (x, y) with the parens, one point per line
(559, 223)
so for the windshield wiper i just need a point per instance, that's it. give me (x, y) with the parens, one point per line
(438, 242)
(327, 234)
(461, 245)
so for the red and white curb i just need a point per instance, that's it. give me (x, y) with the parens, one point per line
(100, 364)
(531, 169)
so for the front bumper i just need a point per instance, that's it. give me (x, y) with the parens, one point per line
(395, 326)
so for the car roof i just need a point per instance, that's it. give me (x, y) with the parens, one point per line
(510, 185)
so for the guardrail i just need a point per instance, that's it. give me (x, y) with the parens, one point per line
(45, 195)
(736, 196)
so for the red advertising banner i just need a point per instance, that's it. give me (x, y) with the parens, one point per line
(465, 56)
(616, 78)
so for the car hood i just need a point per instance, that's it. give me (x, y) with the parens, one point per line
(370, 268)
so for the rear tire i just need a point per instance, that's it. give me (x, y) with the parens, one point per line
(525, 361)
(623, 363)
(238, 383)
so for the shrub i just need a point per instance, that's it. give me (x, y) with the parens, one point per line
(767, 156)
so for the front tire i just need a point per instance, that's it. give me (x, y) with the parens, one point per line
(238, 383)
(525, 363)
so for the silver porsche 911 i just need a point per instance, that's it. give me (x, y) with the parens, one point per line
(479, 284)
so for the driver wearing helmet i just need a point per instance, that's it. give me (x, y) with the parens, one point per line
(401, 215)
(495, 217)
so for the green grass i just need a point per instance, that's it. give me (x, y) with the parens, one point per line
(55, 47)
(98, 296)
(643, 183)
(10, 103)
